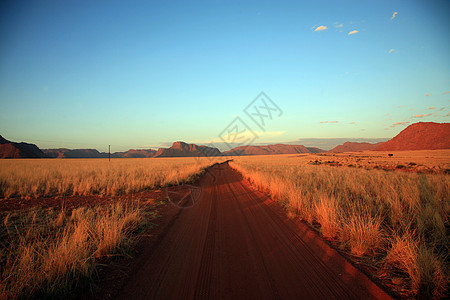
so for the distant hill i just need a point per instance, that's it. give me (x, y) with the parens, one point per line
(133, 153)
(74, 153)
(271, 149)
(93, 153)
(353, 147)
(182, 149)
(420, 136)
(10, 149)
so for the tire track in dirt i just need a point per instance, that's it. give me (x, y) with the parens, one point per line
(296, 263)
(206, 264)
(235, 243)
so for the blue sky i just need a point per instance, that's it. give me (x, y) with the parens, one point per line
(145, 73)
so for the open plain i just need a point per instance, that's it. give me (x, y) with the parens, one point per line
(319, 225)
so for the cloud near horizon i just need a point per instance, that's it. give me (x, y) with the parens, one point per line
(400, 123)
(432, 107)
(268, 134)
(261, 135)
(330, 143)
(446, 93)
(320, 28)
(353, 32)
(323, 122)
(422, 115)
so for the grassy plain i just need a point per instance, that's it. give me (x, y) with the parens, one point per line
(394, 222)
(50, 252)
(28, 178)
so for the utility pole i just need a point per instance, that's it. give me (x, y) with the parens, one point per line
(109, 153)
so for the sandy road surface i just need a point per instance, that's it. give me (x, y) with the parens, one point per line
(236, 243)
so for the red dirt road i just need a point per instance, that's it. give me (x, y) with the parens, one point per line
(235, 243)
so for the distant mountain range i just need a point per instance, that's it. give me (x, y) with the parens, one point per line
(418, 136)
(76, 153)
(271, 149)
(133, 153)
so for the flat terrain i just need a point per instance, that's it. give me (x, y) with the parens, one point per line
(235, 243)
(418, 161)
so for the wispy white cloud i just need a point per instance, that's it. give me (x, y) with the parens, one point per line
(394, 15)
(323, 122)
(442, 109)
(400, 106)
(400, 123)
(320, 28)
(262, 135)
(338, 25)
(427, 95)
(352, 123)
(269, 134)
(353, 32)
(421, 116)
(432, 107)
(446, 93)
(392, 50)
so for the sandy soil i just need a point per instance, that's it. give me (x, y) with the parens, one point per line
(235, 243)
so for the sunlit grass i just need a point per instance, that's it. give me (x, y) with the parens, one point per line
(51, 254)
(46, 253)
(396, 219)
(66, 177)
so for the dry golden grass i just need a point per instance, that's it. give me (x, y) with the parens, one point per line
(48, 253)
(395, 221)
(65, 177)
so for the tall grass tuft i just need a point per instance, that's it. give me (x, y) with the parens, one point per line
(327, 214)
(46, 253)
(362, 234)
(423, 269)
